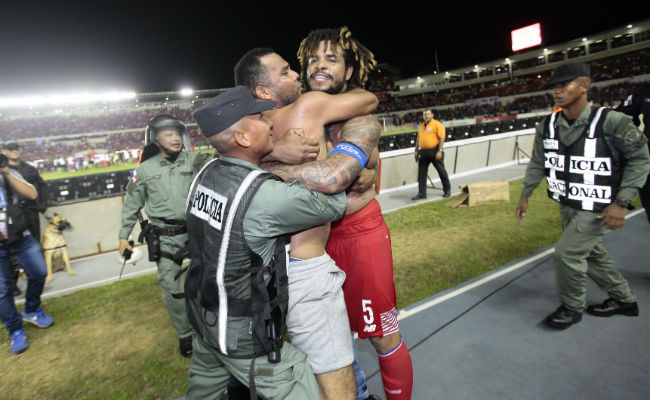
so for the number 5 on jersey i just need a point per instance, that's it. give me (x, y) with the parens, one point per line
(368, 316)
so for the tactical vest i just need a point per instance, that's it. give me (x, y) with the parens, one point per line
(585, 174)
(235, 303)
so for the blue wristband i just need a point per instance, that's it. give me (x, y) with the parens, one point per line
(353, 150)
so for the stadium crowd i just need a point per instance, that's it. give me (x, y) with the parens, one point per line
(70, 136)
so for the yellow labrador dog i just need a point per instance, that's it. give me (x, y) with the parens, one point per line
(55, 249)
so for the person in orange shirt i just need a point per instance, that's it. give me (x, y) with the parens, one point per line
(428, 149)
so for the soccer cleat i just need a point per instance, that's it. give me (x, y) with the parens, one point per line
(18, 341)
(38, 318)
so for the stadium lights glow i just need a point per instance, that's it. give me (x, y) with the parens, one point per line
(67, 99)
(187, 92)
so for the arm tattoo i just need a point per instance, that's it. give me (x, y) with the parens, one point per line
(338, 171)
(327, 176)
(363, 131)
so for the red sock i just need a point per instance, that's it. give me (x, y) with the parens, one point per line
(397, 372)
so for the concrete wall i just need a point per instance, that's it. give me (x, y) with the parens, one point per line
(96, 223)
(398, 167)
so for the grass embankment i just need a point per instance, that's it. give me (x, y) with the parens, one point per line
(116, 342)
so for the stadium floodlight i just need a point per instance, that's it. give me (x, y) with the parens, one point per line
(187, 92)
(67, 99)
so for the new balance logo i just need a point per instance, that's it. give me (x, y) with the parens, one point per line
(370, 328)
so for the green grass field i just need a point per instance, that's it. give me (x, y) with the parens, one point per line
(116, 341)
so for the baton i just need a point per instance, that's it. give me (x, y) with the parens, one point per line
(126, 255)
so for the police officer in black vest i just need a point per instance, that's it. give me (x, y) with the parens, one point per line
(594, 160)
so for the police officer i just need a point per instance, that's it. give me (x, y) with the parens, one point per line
(594, 160)
(161, 184)
(239, 221)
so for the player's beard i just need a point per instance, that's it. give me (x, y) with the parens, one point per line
(336, 87)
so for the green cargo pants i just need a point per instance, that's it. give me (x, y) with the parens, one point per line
(290, 379)
(173, 289)
(579, 253)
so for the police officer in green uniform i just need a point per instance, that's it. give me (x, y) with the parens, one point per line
(239, 220)
(594, 160)
(160, 184)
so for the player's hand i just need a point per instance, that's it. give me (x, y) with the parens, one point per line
(613, 216)
(365, 180)
(295, 148)
(520, 212)
(124, 244)
(417, 155)
(439, 155)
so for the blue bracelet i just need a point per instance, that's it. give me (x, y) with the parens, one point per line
(353, 150)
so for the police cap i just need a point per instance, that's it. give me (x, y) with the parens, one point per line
(224, 110)
(568, 72)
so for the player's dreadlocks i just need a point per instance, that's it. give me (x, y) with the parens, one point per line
(356, 54)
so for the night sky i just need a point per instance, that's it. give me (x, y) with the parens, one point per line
(164, 46)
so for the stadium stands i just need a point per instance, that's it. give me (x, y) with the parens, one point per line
(478, 104)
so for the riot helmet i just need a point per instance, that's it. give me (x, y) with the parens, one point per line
(157, 125)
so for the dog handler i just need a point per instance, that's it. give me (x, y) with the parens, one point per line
(160, 184)
(15, 240)
(31, 208)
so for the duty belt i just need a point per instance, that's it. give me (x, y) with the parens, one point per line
(169, 231)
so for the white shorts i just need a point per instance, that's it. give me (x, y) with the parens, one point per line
(317, 318)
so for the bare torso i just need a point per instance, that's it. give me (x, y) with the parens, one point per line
(311, 242)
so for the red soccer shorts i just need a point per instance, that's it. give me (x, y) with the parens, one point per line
(360, 246)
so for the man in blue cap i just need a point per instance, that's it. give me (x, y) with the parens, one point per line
(594, 160)
(239, 220)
